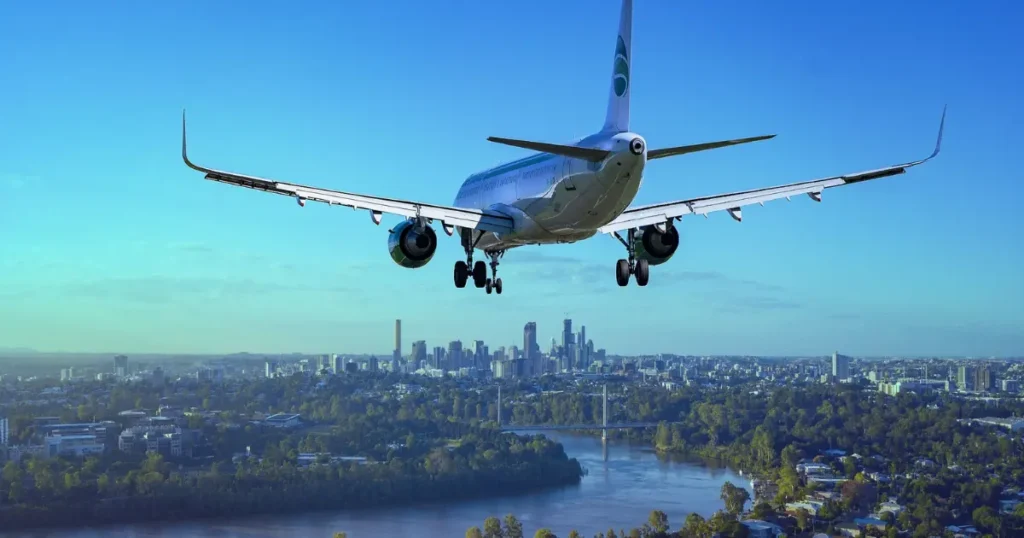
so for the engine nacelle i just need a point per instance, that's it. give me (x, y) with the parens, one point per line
(654, 246)
(410, 247)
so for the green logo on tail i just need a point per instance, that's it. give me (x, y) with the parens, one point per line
(620, 76)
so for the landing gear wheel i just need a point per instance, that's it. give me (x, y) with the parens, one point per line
(622, 272)
(642, 272)
(497, 286)
(487, 286)
(461, 274)
(479, 274)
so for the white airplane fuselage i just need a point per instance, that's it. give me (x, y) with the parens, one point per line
(556, 199)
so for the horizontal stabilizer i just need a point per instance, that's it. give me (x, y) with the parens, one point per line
(680, 150)
(587, 154)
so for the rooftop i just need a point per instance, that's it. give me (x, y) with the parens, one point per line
(282, 417)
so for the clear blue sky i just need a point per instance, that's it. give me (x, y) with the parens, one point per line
(109, 243)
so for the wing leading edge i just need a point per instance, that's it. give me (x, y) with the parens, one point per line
(733, 202)
(449, 216)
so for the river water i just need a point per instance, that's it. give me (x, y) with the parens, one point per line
(618, 492)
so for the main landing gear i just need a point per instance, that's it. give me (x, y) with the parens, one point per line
(479, 272)
(632, 266)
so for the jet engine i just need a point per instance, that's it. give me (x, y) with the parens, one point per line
(654, 246)
(412, 246)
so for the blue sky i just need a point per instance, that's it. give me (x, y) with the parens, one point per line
(108, 243)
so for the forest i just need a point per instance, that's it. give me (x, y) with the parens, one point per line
(414, 453)
(767, 433)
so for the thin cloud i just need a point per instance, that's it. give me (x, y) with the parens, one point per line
(166, 289)
(192, 247)
(18, 181)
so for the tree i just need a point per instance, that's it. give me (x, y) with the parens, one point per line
(341, 534)
(763, 510)
(790, 456)
(987, 519)
(474, 532)
(658, 521)
(544, 533)
(513, 528)
(735, 498)
(492, 528)
(696, 527)
(574, 534)
(803, 518)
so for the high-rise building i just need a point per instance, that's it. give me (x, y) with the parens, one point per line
(531, 351)
(5, 432)
(373, 364)
(481, 357)
(337, 365)
(455, 355)
(398, 339)
(419, 353)
(439, 358)
(965, 378)
(567, 337)
(840, 366)
(983, 379)
(121, 366)
(270, 368)
(581, 343)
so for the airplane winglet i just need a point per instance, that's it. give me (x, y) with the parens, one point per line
(184, 146)
(938, 140)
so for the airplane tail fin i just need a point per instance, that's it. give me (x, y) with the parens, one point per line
(617, 116)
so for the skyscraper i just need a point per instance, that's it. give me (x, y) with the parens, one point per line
(419, 353)
(567, 342)
(439, 358)
(5, 432)
(965, 378)
(531, 351)
(481, 356)
(121, 366)
(984, 380)
(398, 339)
(840, 366)
(455, 355)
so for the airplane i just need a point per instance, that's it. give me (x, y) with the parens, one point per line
(562, 194)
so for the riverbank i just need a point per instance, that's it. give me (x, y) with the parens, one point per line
(619, 492)
(176, 504)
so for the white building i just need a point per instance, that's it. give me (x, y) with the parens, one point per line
(73, 445)
(283, 420)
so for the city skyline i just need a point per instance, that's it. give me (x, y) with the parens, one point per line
(149, 258)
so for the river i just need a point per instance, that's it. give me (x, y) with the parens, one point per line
(618, 492)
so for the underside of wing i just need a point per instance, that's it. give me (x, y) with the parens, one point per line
(734, 202)
(448, 216)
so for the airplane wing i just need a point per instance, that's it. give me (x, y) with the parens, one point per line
(734, 202)
(449, 216)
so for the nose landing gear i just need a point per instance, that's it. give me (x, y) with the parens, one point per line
(631, 266)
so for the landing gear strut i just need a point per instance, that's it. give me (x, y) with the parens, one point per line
(494, 282)
(462, 272)
(631, 266)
